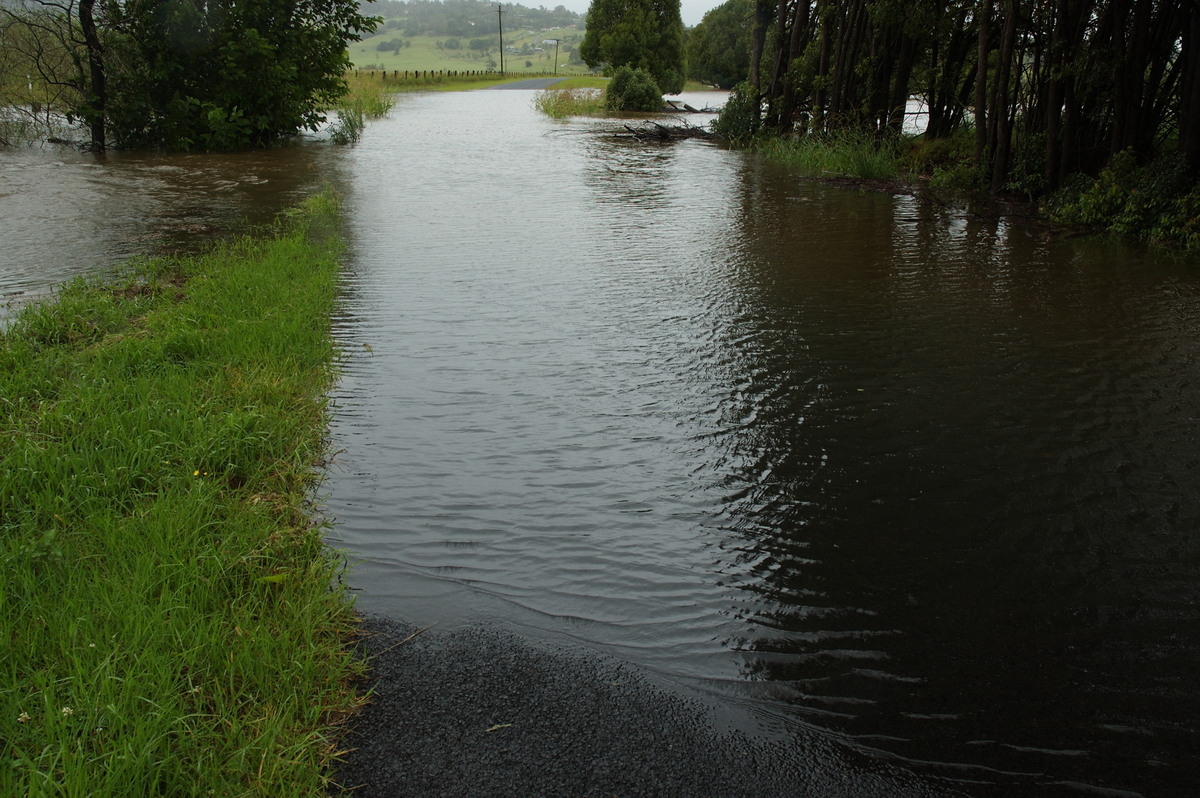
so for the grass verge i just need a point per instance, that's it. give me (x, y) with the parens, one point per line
(166, 606)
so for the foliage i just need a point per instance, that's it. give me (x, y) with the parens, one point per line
(185, 76)
(165, 594)
(741, 117)
(565, 103)
(632, 90)
(642, 34)
(1158, 201)
(217, 77)
(718, 49)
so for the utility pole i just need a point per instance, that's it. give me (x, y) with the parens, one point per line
(500, 20)
(556, 56)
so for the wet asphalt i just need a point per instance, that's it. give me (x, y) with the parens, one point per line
(482, 712)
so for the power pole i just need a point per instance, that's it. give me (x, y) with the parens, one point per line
(500, 20)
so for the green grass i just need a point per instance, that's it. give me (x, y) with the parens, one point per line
(565, 103)
(849, 154)
(166, 606)
(365, 98)
(423, 54)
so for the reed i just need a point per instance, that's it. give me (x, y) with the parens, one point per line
(565, 103)
(847, 154)
(170, 613)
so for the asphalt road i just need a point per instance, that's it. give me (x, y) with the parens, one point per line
(531, 83)
(478, 712)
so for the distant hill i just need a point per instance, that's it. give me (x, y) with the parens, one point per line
(465, 35)
(464, 18)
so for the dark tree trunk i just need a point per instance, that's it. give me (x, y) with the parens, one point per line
(98, 91)
(762, 20)
(983, 14)
(1002, 101)
(1189, 90)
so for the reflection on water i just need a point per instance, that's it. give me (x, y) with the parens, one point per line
(968, 498)
(918, 477)
(859, 462)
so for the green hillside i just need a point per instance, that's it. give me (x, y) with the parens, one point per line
(525, 51)
(465, 35)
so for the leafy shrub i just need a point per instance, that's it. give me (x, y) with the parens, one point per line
(1158, 201)
(741, 117)
(632, 90)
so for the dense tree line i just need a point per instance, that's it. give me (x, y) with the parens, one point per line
(718, 49)
(1049, 87)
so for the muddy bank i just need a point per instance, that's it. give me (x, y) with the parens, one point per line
(484, 713)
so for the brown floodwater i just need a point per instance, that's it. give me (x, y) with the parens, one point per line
(918, 478)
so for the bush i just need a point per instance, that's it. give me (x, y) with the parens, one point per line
(632, 90)
(741, 117)
(1156, 202)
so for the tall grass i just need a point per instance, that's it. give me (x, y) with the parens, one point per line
(848, 154)
(166, 607)
(565, 103)
(364, 99)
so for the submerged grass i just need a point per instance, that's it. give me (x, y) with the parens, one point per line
(166, 607)
(847, 154)
(565, 103)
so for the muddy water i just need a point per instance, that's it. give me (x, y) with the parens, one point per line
(65, 213)
(857, 462)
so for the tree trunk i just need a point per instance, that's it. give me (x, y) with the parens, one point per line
(1002, 101)
(983, 13)
(1189, 92)
(97, 90)
(762, 20)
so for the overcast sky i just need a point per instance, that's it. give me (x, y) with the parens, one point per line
(692, 11)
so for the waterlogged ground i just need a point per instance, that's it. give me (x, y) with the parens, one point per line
(833, 460)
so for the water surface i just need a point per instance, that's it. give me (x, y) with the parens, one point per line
(887, 468)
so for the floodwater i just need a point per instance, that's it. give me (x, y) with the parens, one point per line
(868, 464)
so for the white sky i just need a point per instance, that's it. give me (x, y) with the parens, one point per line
(692, 11)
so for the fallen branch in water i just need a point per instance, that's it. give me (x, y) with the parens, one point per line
(657, 132)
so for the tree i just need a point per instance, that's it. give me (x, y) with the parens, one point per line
(641, 34)
(1051, 88)
(183, 75)
(718, 49)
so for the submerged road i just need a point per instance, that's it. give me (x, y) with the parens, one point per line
(531, 83)
(484, 713)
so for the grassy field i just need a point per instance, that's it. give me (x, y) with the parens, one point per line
(423, 53)
(166, 606)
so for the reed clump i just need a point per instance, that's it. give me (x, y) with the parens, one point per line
(168, 606)
(848, 154)
(566, 103)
